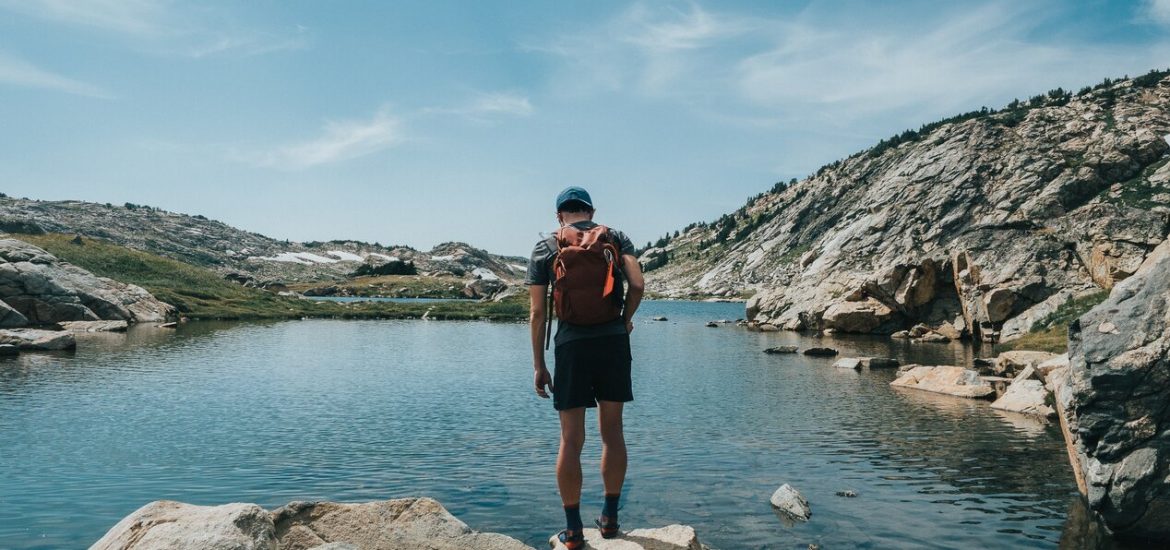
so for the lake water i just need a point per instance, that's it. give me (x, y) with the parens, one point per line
(365, 410)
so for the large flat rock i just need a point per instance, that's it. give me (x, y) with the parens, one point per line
(949, 380)
(392, 524)
(1026, 395)
(671, 537)
(35, 339)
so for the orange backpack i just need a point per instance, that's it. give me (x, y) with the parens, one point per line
(585, 276)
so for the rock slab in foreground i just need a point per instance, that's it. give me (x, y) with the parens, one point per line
(404, 524)
(671, 537)
(169, 524)
(791, 502)
(949, 380)
(1113, 400)
(34, 339)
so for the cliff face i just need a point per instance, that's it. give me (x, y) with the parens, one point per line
(242, 255)
(986, 225)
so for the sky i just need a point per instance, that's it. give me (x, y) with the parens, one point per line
(420, 122)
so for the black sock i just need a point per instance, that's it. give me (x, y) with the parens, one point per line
(610, 509)
(573, 517)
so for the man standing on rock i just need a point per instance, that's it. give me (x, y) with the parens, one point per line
(585, 263)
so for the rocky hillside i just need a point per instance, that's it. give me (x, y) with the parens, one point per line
(983, 225)
(243, 256)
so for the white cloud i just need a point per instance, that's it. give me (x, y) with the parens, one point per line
(498, 103)
(164, 27)
(339, 141)
(18, 72)
(1159, 11)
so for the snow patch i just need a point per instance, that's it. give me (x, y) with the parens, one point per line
(383, 256)
(443, 258)
(485, 274)
(345, 256)
(518, 267)
(303, 258)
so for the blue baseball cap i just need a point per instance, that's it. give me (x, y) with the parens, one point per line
(571, 194)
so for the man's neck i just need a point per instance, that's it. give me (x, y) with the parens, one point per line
(570, 219)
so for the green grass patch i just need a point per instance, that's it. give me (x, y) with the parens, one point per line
(1051, 332)
(199, 293)
(1137, 192)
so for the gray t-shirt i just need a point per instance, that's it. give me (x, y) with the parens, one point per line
(540, 272)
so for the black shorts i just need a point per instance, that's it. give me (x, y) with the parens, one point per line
(594, 369)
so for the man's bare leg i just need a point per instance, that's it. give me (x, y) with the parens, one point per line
(569, 457)
(613, 446)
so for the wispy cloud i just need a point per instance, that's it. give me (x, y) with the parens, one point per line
(486, 105)
(1159, 11)
(339, 141)
(164, 27)
(18, 72)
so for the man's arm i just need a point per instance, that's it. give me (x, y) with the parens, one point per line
(636, 287)
(537, 316)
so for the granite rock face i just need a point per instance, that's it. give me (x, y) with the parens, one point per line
(43, 289)
(166, 524)
(1114, 398)
(1026, 395)
(35, 339)
(987, 225)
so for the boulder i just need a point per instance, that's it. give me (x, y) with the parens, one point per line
(671, 537)
(166, 524)
(1011, 363)
(933, 336)
(867, 316)
(901, 334)
(401, 523)
(788, 500)
(851, 363)
(820, 352)
(35, 339)
(1026, 395)
(95, 326)
(1046, 367)
(764, 327)
(879, 363)
(658, 318)
(481, 289)
(949, 380)
(10, 318)
(8, 350)
(781, 349)
(999, 303)
(1113, 402)
(47, 290)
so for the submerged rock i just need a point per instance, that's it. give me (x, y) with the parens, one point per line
(793, 504)
(781, 349)
(1112, 398)
(879, 363)
(821, 352)
(949, 380)
(671, 537)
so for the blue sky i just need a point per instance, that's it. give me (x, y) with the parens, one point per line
(422, 122)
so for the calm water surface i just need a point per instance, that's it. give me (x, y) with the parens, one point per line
(364, 410)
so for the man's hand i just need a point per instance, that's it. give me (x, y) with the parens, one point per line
(542, 379)
(629, 326)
